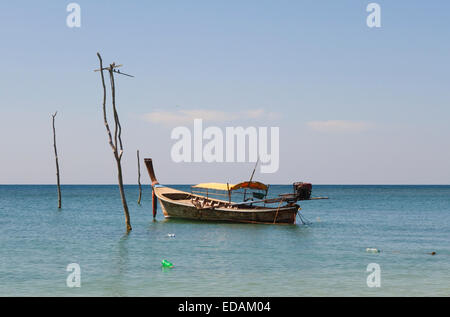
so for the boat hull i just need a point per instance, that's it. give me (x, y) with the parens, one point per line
(174, 207)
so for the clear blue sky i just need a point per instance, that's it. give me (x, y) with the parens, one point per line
(385, 91)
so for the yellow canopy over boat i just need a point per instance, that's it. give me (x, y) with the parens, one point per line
(216, 186)
(226, 187)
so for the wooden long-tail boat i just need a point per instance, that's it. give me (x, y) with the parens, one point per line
(180, 204)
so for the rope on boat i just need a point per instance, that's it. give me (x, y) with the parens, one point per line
(276, 215)
(303, 219)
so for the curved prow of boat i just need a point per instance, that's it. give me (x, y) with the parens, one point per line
(149, 163)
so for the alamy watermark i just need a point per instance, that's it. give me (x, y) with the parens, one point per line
(74, 17)
(235, 144)
(74, 278)
(374, 18)
(374, 278)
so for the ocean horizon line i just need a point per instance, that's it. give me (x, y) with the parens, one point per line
(190, 184)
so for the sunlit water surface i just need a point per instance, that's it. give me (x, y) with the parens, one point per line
(324, 258)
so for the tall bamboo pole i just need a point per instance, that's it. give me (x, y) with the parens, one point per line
(139, 177)
(58, 185)
(116, 143)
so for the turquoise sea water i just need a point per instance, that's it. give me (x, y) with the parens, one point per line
(325, 258)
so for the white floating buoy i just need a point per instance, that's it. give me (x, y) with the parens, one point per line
(372, 250)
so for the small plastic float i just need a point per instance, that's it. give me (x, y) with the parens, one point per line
(167, 264)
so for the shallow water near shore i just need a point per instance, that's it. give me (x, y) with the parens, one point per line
(326, 257)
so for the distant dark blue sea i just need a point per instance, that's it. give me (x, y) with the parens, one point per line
(325, 257)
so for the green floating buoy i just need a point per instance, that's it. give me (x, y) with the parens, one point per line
(166, 263)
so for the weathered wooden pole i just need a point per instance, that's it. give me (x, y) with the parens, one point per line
(139, 178)
(58, 185)
(154, 202)
(116, 142)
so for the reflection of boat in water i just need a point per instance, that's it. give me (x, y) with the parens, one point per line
(199, 205)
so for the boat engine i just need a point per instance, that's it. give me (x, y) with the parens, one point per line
(302, 191)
